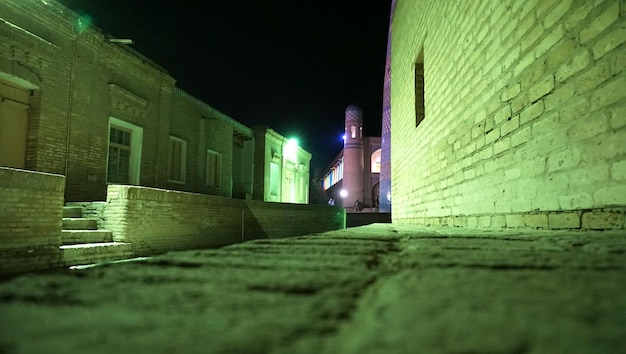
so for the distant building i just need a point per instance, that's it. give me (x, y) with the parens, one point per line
(281, 169)
(354, 174)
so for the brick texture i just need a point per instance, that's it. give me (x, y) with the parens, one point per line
(31, 212)
(80, 81)
(524, 107)
(156, 220)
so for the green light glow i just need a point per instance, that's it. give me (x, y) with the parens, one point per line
(291, 149)
(82, 23)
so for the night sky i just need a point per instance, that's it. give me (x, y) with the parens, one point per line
(294, 66)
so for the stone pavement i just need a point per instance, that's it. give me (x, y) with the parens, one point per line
(380, 288)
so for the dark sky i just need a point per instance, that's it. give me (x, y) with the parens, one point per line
(292, 65)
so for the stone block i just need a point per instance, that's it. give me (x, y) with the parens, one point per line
(602, 220)
(498, 221)
(559, 96)
(564, 220)
(579, 15)
(472, 222)
(515, 220)
(610, 195)
(617, 59)
(618, 170)
(509, 126)
(580, 61)
(581, 200)
(593, 77)
(563, 159)
(533, 73)
(531, 37)
(560, 54)
(613, 91)
(557, 13)
(549, 41)
(538, 221)
(521, 136)
(501, 145)
(609, 42)
(532, 112)
(526, 60)
(574, 110)
(541, 89)
(600, 23)
(511, 92)
(590, 127)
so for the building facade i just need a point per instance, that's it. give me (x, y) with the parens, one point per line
(282, 168)
(509, 113)
(78, 103)
(354, 174)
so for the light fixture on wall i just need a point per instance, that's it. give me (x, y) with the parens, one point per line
(120, 40)
(343, 193)
(290, 149)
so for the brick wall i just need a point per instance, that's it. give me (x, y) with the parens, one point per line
(80, 80)
(156, 220)
(525, 113)
(277, 220)
(31, 212)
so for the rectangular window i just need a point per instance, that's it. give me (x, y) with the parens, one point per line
(213, 169)
(176, 164)
(419, 89)
(119, 155)
(274, 179)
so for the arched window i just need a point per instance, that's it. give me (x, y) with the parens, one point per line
(375, 161)
(353, 131)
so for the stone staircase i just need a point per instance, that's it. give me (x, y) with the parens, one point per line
(83, 243)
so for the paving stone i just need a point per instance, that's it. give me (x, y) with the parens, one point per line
(371, 289)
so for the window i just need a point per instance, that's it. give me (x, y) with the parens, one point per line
(353, 132)
(375, 161)
(213, 169)
(274, 179)
(176, 164)
(419, 89)
(119, 155)
(124, 161)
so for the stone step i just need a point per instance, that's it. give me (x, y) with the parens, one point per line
(90, 253)
(69, 237)
(72, 212)
(79, 224)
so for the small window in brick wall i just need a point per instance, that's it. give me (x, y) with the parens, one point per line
(419, 89)
(177, 157)
(213, 169)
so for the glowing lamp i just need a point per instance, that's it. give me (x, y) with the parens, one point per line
(291, 149)
(343, 193)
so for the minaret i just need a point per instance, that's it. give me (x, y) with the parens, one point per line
(353, 157)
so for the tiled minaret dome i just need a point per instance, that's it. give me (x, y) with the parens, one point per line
(353, 112)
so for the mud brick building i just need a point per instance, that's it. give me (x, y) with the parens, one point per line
(281, 169)
(509, 113)
(79, 103)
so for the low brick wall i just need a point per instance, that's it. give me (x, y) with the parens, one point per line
(591, 219)
(157, 220)
(277, 220)
(31, 214)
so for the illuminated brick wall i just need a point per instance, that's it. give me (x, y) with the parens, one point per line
(525, 113)
(80, 81)
(31, 212)
(157, 220)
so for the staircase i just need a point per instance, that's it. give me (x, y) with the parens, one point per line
(82, 243)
